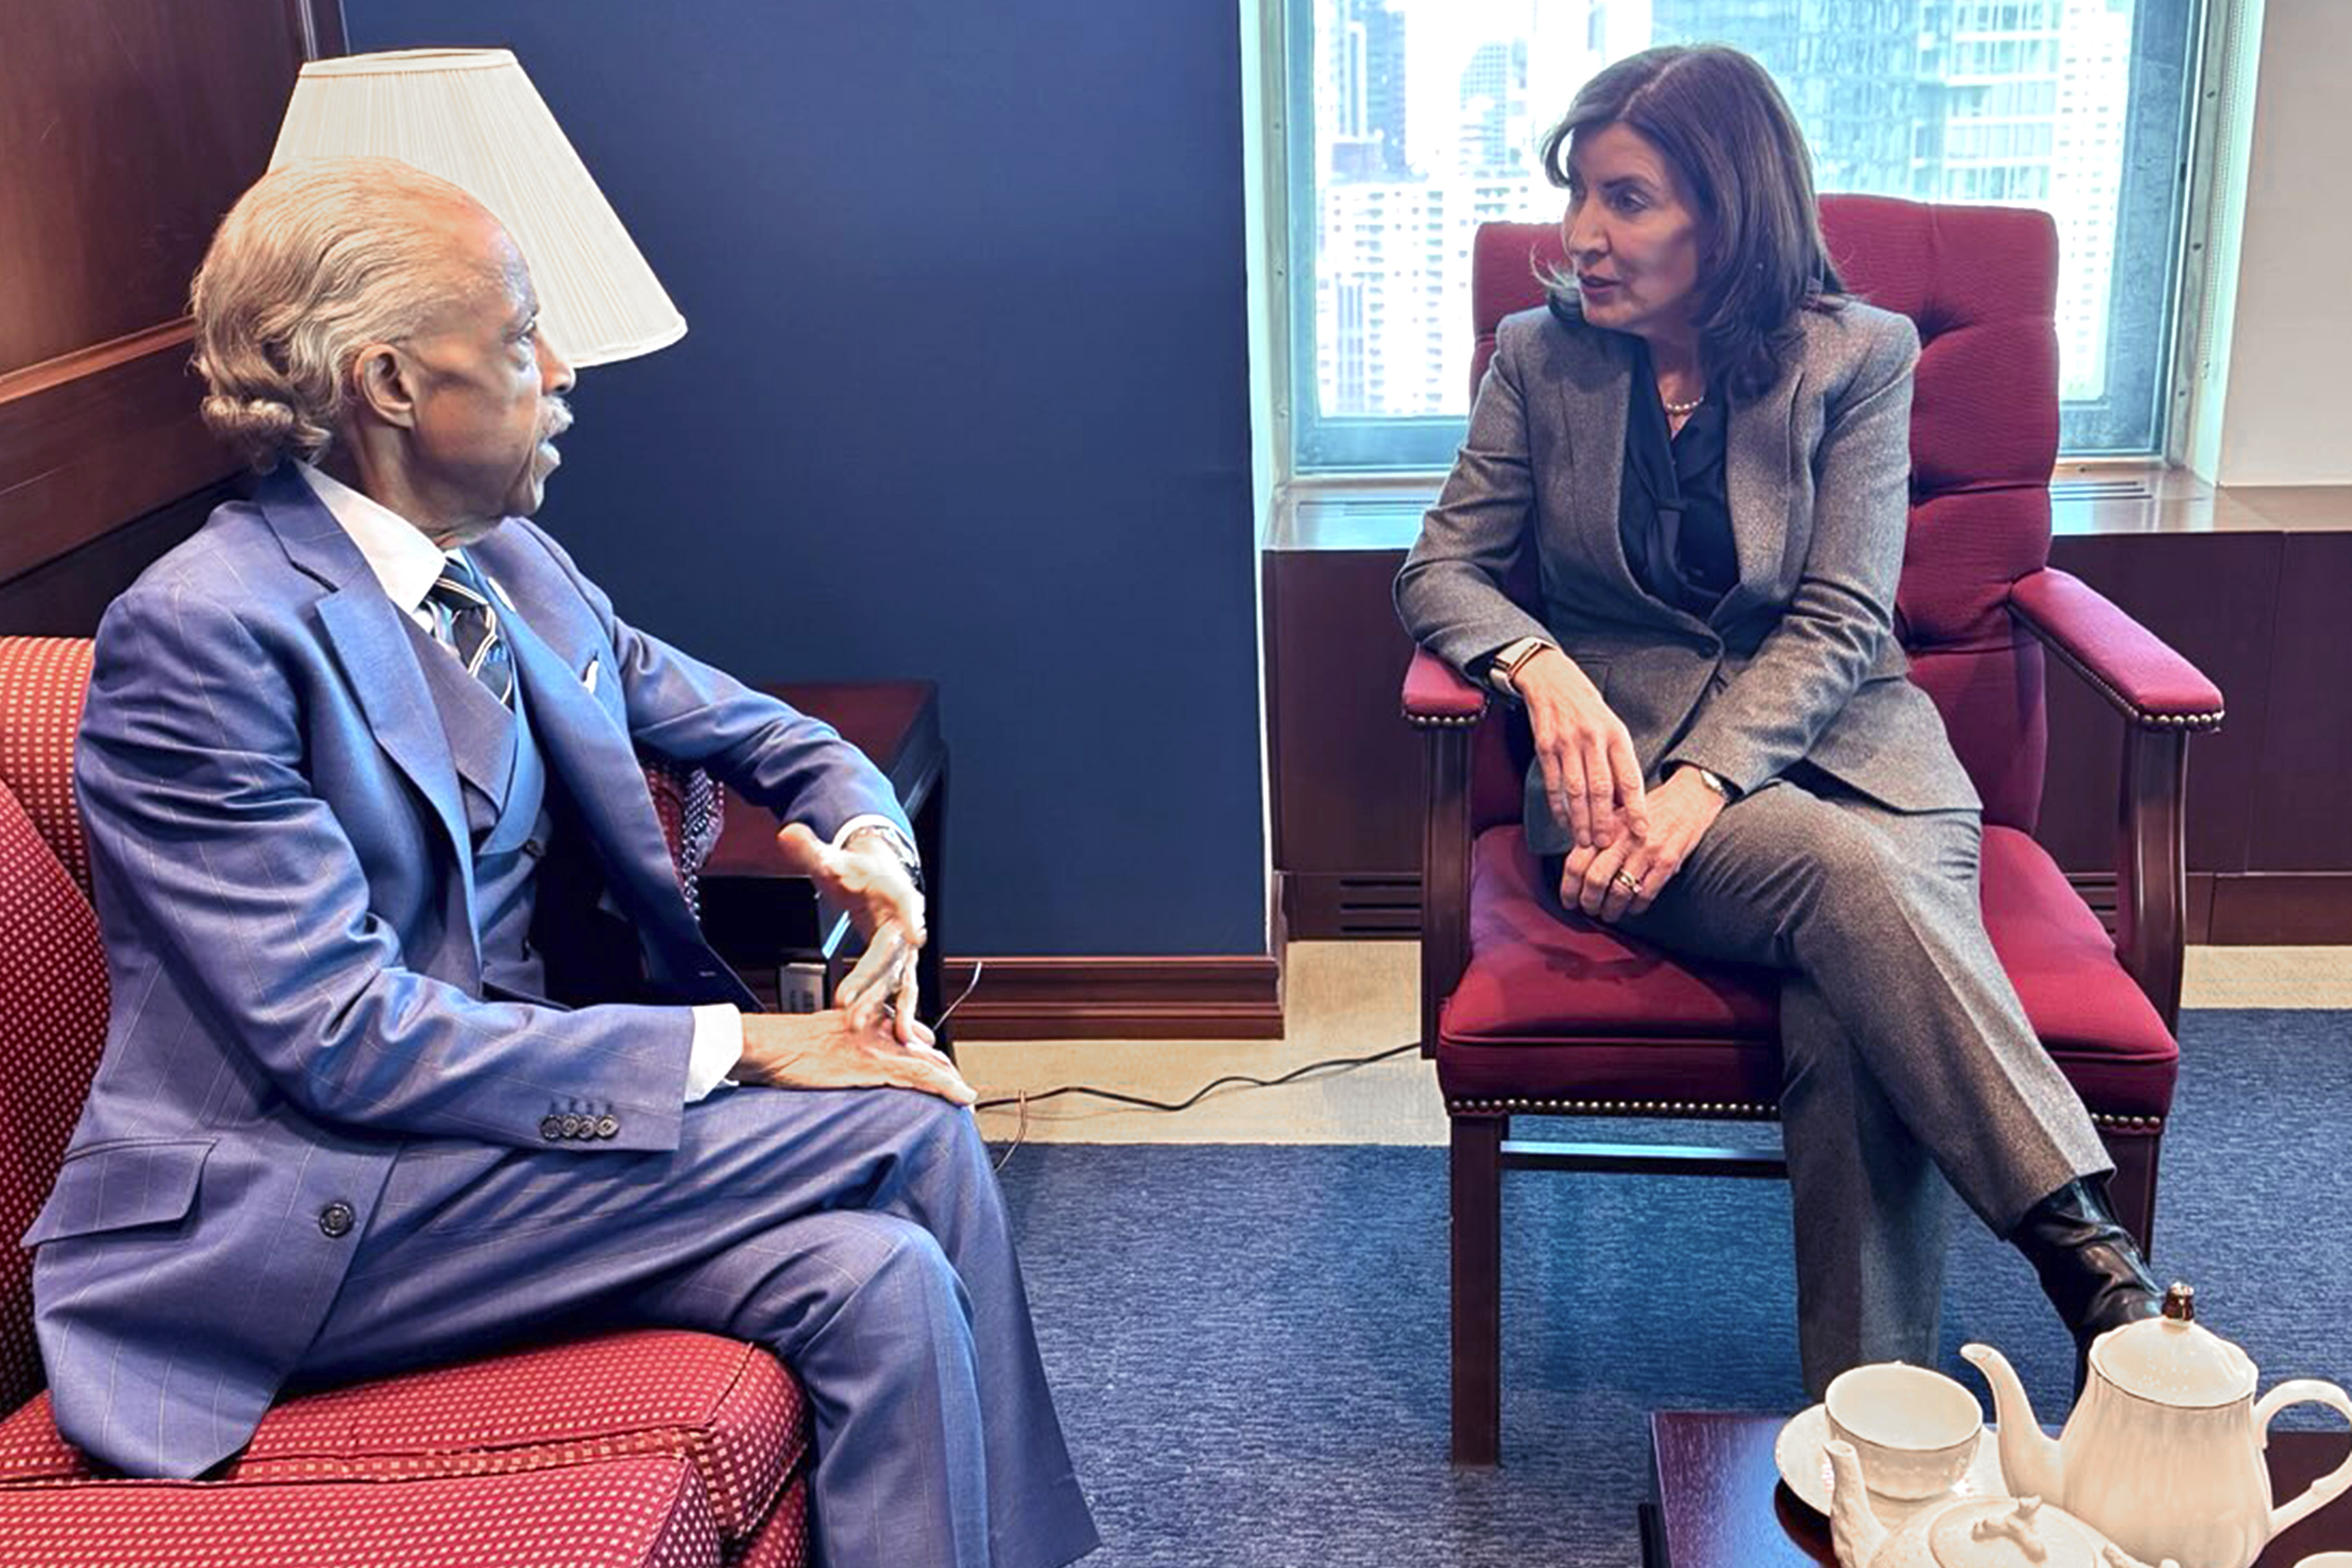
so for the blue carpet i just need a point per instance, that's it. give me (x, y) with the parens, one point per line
(1249, 1342)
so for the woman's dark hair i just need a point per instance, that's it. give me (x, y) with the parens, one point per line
(1719, 120)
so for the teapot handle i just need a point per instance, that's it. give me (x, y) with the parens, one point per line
(2305, 1391)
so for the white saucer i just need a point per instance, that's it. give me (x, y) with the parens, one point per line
(1799, 1451)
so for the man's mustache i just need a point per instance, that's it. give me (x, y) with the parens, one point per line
(558, 419)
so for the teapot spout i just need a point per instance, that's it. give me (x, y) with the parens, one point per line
(2029, 1461)
(1856, 1531)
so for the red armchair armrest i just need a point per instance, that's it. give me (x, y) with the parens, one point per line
(1437, 693)
(1446, 708)
(2131, 667)
(2164, 699)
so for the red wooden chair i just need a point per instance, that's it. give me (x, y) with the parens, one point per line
(1526, 1014)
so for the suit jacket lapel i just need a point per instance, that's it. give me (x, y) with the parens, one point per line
(371, 643)
(1589, 392)
(598, 765)
(1757, 451)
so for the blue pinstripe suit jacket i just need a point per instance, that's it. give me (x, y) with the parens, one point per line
(285, 886)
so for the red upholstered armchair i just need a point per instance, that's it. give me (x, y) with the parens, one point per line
(1526, 1014)
(652, 1448)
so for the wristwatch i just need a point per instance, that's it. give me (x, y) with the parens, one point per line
(1714, 782)
(890, 838)
(1515, 658)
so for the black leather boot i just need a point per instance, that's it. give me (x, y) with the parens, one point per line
(2090, 1268)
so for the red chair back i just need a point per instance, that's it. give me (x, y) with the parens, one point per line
(53, 993)
(1981, 285)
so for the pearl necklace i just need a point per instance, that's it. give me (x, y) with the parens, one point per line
(1683, 410)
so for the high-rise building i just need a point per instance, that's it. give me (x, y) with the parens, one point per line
(2086, 184)
(1382, 294)
(1989, 121)
(2010, 102)
(1365, 46)
(1496, 118)
(1850, 69)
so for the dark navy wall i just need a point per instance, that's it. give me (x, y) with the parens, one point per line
(965, 394)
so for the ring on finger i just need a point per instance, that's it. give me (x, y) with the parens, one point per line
(1630, 884)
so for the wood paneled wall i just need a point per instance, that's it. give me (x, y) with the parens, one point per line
(127, 127)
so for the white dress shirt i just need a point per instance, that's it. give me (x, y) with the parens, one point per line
(408, 563)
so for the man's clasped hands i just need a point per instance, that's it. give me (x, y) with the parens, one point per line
(869, 1038)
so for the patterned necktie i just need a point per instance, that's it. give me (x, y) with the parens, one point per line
(464, 622)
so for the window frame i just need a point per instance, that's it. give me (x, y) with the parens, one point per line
(2130, 420)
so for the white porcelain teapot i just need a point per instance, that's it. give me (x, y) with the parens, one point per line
(2164, 1451)
(1967, 1532)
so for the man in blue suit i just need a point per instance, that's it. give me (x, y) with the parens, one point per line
(416, 1044)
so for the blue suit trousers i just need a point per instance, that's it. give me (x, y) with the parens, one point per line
(860, 1235)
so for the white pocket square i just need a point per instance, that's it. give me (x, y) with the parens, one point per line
(588, 675)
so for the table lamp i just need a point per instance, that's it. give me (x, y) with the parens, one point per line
(472, 117)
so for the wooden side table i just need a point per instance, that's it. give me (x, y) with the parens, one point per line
(758, 916)
(1720, 1503)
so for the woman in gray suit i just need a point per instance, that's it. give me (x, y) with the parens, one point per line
(1704, 443)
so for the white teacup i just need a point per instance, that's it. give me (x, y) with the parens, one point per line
(1914, 1429)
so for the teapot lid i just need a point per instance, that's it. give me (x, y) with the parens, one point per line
(2173, 1359)
(2011, 1533)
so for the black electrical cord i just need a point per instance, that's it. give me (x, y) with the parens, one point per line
(1023, 1100)
(1197, 1095)
(1020, 1129)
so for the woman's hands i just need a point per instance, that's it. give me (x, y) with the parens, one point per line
(1590, 775)
(1608, 882)
(831, 1051)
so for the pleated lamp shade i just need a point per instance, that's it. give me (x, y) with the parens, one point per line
(473, 118)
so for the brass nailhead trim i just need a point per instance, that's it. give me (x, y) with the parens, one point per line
(1444, 721)
(1616, 1108)
(1695, 1108)
(2130, 709)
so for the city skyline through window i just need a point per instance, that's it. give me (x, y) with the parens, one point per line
(1422, 120)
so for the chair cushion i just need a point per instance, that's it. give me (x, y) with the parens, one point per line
(726, 1408)
(642, 1512)
(52, 1028)
(1563, 1009)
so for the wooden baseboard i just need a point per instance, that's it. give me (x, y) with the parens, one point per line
(2291, 908)
(1236, 996)
(2249, 908)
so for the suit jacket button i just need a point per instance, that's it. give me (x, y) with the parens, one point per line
(608, 1127)
(572, 1121)
(550, 1127)
(335, 1219)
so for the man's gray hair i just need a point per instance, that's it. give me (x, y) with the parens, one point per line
(315, 262)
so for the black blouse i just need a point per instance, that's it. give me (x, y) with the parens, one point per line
(1672, 515)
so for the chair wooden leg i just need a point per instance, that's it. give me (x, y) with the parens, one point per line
(2131, 1190)
(1477, 1251)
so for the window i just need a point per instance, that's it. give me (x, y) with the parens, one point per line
(1413, 121)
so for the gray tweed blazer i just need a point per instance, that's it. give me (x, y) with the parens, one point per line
(1800, 661)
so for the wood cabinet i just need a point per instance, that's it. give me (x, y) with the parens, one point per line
(2253, 586)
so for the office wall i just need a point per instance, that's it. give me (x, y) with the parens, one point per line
(2289, 403)
(965, 394)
